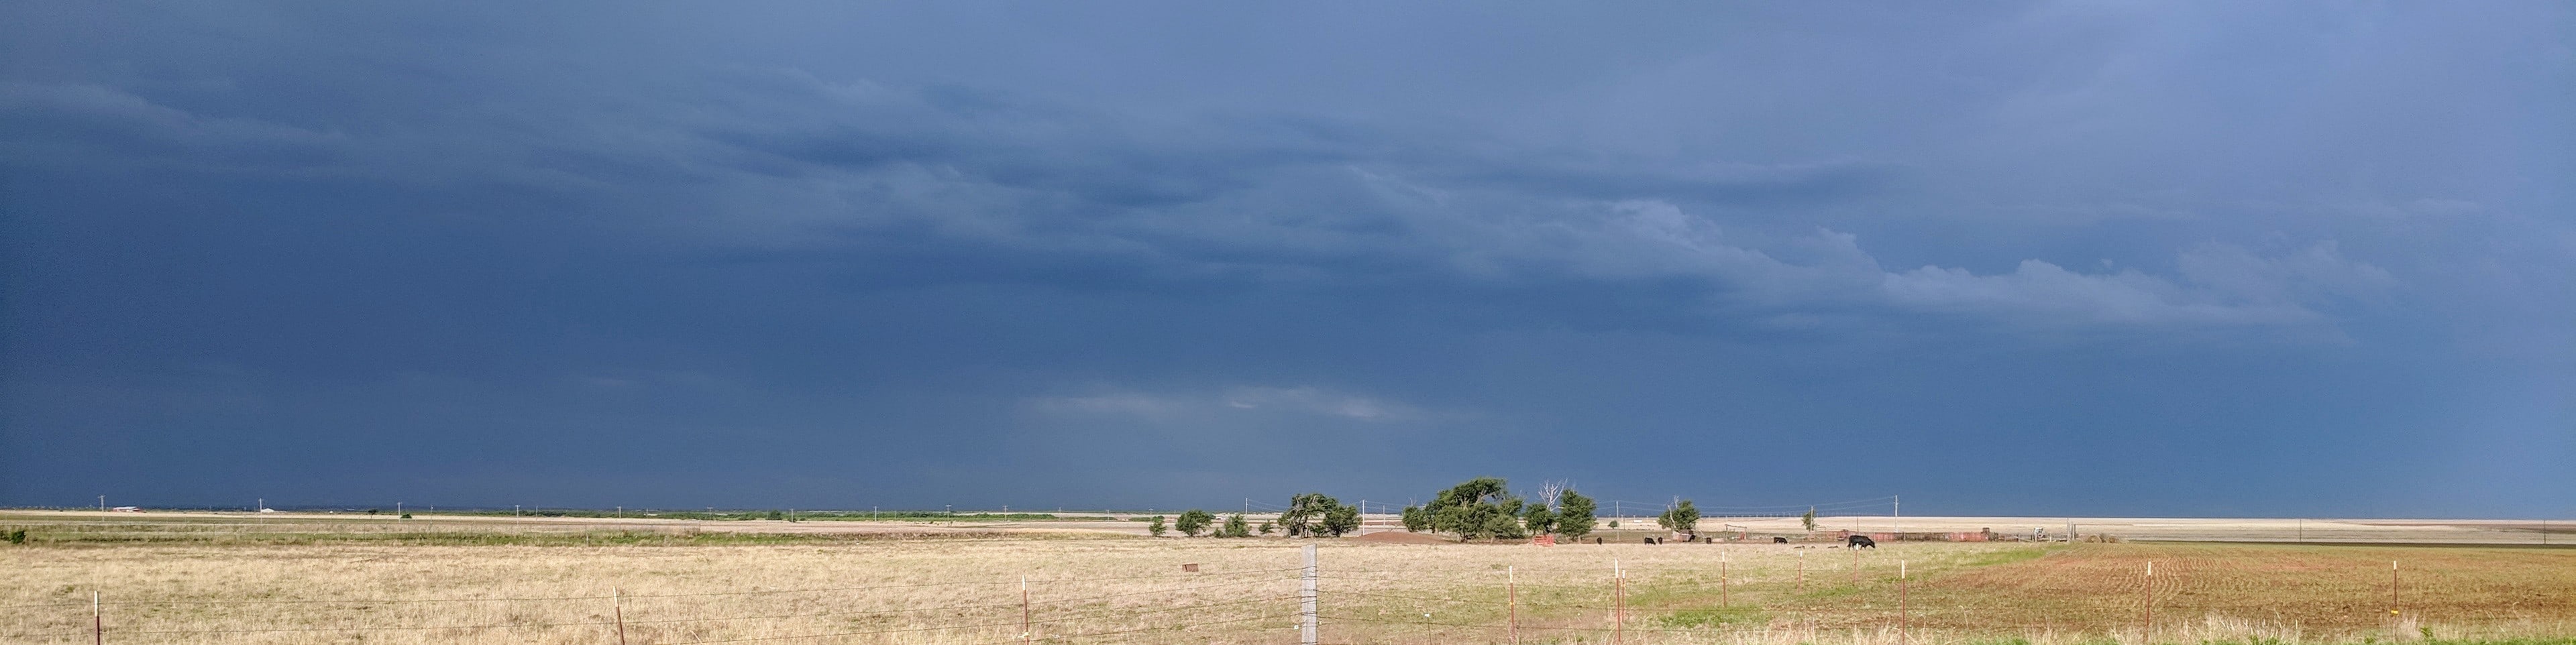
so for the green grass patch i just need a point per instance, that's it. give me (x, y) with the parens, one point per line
(1698, 617)
(2005, 556)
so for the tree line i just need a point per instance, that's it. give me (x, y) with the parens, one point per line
(1308, 514)
(1480, 508)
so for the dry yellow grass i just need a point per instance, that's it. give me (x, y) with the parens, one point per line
(1119, 589)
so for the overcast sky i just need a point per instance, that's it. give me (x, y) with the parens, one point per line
(2087, 258)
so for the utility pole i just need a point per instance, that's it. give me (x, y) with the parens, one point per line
(1896, 509)
(102, 503)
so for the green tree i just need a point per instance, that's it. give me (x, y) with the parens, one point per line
(1156, 528)
(1340, 519)
(1305, 511)
(1235, 527)
(1682, 517)
(1416, 519)
(1477, 508)
(1809, 519)
(1574, 514)
(1538, 519)
(1194, 521)
(1267, 527)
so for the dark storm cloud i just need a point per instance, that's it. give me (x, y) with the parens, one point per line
(537, 252)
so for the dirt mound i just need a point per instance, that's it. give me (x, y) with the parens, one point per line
(1400, 537)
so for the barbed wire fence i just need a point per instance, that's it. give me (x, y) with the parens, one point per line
(1312, 604)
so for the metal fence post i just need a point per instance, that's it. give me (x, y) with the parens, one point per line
(1618, 603)
(617, 603)
(2147, 629)
(1306, 599)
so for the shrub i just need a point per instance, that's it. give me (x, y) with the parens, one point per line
(18, 536)
(1194, 521)
(1235, 527)
(406, 516)
(1156, 528)
(1268, 528)
(1416, 520)
(1809, 519)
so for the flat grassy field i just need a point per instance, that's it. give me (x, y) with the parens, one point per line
(304, 586)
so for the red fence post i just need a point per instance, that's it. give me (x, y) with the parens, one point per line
(617, 602)
(2147, 629)
(1618, 603)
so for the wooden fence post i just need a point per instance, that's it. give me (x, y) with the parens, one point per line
(1027, 635)
(97, 621)
(1306, 599)
(1512, 603)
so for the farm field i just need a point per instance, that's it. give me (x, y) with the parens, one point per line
(190, 583)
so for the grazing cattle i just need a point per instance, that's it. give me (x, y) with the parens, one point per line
(1650, 540)
(1863, 541)
(1779, 540)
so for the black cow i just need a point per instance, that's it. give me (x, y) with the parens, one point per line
(1863, 541)
(1779, 540)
